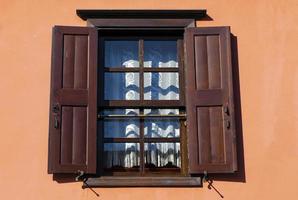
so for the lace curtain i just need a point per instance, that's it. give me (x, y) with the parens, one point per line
(157, 86)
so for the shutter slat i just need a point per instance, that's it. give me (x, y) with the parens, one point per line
(213, 62)
(209, 90)
(79, 135)
(81, 61)
(204, 134)
(68, 61)
(66, 135)
(72, 131)
(202, 60)
(216, 135)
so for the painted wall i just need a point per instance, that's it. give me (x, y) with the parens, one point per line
(267, 35)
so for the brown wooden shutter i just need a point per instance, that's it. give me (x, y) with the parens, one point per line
(209, 101)
(73, 108)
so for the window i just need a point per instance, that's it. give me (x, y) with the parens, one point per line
(142, 103)
(141, 113)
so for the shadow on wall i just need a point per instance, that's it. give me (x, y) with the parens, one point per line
(65, 178)
(206, 18)
(238, 176)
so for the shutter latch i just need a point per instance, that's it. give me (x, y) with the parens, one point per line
(55, 108)
(226, 110)
(56, 122)
(228, 124)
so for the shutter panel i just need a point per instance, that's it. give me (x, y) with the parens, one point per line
(209, 101)
(73, 108)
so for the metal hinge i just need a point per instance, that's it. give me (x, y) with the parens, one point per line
(81, 174)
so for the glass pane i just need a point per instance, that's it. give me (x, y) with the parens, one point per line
(118, 156)
(160, 53)
(128, 111)
(161, 86)
(121, 128)
(161, 127)
(121, 86)
(121, 53)
(161, 111)
(162, 155)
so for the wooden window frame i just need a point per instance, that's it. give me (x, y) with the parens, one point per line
(145, 104)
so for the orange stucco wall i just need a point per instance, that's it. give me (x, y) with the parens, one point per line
(267, 35)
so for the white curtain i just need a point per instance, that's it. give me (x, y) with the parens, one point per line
(162, 154)
(125, 86)
(122, 154)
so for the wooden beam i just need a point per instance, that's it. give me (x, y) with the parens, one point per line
(143, 182)
(151, 14)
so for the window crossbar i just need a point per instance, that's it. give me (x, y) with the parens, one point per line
(141, 116)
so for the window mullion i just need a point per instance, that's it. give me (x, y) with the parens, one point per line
(141, 63)
(141, 84)
(142, 162)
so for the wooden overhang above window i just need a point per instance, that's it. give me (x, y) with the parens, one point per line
(139, 14)
(165, 19)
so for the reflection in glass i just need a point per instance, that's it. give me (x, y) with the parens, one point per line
(121, 128)
(160, 53)
(161, 86)
(121, 86)
(161, 127)
(121, 53)
(119, 156)
(162, 155)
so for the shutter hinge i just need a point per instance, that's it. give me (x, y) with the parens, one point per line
(81, 174)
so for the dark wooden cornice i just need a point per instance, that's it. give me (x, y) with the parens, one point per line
(142, 14)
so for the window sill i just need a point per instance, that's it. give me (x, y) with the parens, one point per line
(143, 182)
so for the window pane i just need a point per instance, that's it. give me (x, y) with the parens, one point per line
(121, 53)
(162, 155)
(161, 111)
(118, 156)
(121, 86)
(161, 127)
(121, 128)
(161, 86)
(160, 53)
(128, 111)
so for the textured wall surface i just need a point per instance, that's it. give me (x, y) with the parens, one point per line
(267, 35)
